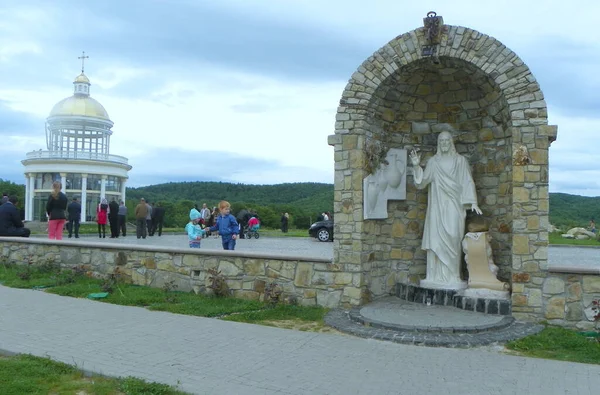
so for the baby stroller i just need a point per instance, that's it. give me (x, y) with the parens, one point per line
(251, 230)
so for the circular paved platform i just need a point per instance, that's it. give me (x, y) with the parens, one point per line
(395, 313)
(400, 321)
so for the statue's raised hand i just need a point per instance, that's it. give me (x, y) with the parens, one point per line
(476, 208)
(415, 158)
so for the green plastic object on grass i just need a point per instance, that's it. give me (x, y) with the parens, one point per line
(98, 295)
(589, 334)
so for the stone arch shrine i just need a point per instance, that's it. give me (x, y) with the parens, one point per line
(435, 78)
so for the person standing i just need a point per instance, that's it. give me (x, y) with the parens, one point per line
(55, 209)
(194, 230)
(113, 218)
(123, 218)
(285, 217)
(149, 219)
(101, 217)
(74, 210)
(205, 213)
(227, 226)
(10, 220)
(158, 218)
(4, 198)
(141, 212)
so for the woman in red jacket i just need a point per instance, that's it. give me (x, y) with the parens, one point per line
(101, 216)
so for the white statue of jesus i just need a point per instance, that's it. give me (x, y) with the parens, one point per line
(451, 193)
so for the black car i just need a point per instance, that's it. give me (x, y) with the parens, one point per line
(322, 230)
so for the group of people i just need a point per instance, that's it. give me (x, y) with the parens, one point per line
(149, 219)
(225, 224)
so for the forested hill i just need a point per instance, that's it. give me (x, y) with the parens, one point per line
(573, 210)
(307, 196)
(305, 200)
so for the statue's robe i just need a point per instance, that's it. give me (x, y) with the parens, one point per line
(451, 193)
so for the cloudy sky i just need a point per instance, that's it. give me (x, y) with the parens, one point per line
(246, 90)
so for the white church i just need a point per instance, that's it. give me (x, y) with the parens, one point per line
(78, 132)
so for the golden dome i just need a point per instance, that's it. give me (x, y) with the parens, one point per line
(83, 106)
(82, 78)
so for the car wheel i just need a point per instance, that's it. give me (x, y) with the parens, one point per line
(323, 235)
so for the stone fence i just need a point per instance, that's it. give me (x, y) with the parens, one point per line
(310, 281)
(568, 295)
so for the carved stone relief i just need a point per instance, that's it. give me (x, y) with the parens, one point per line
(387, 183)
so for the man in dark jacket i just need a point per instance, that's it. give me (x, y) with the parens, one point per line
(10, 220)
(113, 218)
(158, 217)
(74, 210)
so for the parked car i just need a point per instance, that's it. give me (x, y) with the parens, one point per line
(322, 230)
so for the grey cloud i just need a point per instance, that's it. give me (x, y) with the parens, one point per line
(160, 33)
(18, 123)
(566, 73)
(158, 166)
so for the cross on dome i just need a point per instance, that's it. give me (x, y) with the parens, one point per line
(83, 57)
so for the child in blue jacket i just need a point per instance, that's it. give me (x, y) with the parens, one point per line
(227, 226)
(194, 230)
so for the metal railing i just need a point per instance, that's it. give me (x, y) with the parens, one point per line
(80, 155)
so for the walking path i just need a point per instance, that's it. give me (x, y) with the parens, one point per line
(209, 356)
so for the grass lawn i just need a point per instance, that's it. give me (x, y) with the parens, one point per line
(66, 283)
(26, 374)
(555, 238)
(558, 343)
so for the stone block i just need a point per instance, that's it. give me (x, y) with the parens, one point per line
(534, 298)
(420, 128)
(574, 292)
(329, 299)
(591, 284)
(353, 293)
(521, 277)
(398, 229)
(520, 244)
(555, 308)
(519, 300)
(254, 267)
(304, 273)
(574, 312)
(229, 269)
(553, 285)
(148, 263)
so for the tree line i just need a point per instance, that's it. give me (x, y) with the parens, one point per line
(303, 201)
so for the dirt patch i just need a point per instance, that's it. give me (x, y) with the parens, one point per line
(299, 325)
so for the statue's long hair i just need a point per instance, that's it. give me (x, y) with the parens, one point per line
(452, 152)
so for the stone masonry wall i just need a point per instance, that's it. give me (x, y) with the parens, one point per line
(494, 103)
(567, 299)
(309, 281)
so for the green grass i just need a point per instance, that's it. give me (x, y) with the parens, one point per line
(281, 312)
(158, 299)
(26, 374)
(555, 238)
(558, 343)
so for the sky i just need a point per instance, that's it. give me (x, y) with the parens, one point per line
(247, 90)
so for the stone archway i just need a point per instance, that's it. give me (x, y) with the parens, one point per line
(399, 98)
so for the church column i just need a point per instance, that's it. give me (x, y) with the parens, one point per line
(103, 187)
(123, 182)
(27, 192)
(83, 197)
(29, 202)
(63, 182)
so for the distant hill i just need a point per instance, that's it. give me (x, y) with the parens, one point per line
(304, 199)
(573, 210)
(308, 196)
